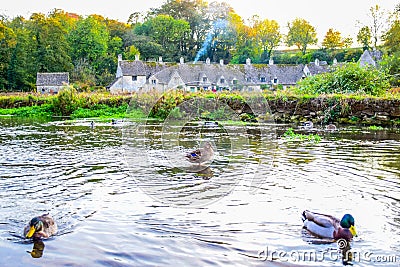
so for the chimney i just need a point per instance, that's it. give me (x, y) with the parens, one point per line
(160, 59)
(334, 61)
(271, 61)
(221, 62)
(137, 57)
(208, 61)
(119, 57)
(248, 61)
(182, 60)
(316, 62)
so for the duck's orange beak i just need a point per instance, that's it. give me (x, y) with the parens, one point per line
(31, 232)
(353, 230)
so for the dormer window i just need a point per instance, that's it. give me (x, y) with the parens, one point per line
(222, 80)
(154, 81)
(248, 79)
(235, 82)
(205, 79)
(262, 79)
(134, 78)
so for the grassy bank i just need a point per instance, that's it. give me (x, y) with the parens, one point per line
(285, 106)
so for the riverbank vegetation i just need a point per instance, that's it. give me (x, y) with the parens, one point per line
(289, 105)
(87, 47)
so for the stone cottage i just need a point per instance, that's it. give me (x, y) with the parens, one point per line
(52, 82)
(133, 75)
(205, 76)
(137, 75)
(370, 58)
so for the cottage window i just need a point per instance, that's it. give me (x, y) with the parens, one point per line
(262, 79)
(275, 81)
(154, 81)
(134, 78)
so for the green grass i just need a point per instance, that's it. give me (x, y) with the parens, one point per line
(291, 135)
(45, 110)
(375, 128)
(104, 111)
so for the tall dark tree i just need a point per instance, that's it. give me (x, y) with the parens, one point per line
(52, 49)
(22, 70)
(192, 11)
(7, 43)
(89, 41)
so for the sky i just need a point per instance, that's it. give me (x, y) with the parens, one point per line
(345, 16)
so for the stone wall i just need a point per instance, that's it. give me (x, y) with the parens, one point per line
(345, 111)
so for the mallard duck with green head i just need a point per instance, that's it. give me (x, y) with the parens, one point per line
(40, 227)
(323, 225)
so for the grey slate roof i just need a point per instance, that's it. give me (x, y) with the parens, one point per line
(52, 79)
(286, 74)
(140, 68)
(194, 73)
(317, 69)
(366, 59)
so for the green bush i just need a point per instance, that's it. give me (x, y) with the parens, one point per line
(101, 111)
(391, 64)
(347, 79)
(44, 110)
(67, 101)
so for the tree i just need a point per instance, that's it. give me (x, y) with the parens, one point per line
(244, 38)
(347, 42)
(22, 69)
(378, 21)
(192, 11)
(167, 32)
(89, 41)
(267, 34)
(392, 37)
(52, 47)
(332, 40)
(7, 43)
(364, 37)
(301, 34)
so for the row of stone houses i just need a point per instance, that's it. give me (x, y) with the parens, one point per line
(51, 83)
(137, 75)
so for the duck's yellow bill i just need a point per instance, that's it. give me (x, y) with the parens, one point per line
(31, 232)
(353, 230)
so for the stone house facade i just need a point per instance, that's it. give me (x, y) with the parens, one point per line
(137, 75)
(52, 82)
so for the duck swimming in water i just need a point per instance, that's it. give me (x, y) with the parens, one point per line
(39, 227)
(201, 155)
(328, 226)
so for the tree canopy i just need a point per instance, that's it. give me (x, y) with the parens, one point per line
(87, 47)
(301, 34)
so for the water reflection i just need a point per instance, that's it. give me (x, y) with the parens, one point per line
(38, 248)
(205, 173)
(112, 210)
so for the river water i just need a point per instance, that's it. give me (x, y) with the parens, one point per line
(123, 194)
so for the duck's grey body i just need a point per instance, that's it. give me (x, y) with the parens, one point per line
(201, 155)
